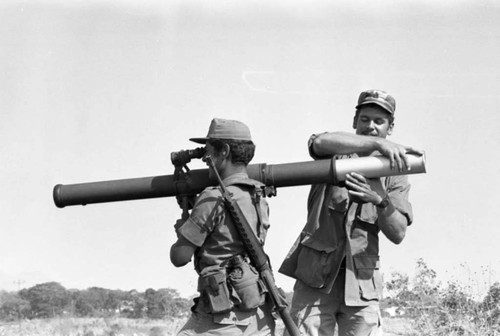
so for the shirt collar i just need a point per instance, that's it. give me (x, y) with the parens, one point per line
(235, 178)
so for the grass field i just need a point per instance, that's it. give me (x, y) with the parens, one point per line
(142, 327)
(91, 327)
(132, 327)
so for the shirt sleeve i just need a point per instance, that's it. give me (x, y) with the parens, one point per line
(321, 157)
(398, 191)
(206, 214)
(311, 149)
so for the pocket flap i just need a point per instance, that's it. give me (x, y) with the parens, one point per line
(238, 318)
(317, 245)
(368, 213)
(367, 261)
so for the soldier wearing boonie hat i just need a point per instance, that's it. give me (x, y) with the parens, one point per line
(209, 235)
(335, 259)
(224, 129)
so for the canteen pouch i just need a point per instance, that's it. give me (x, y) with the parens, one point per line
(247, 289)
(213, 285)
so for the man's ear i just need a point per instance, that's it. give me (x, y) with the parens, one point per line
(225, 151)
(389, 130)
(355, 121)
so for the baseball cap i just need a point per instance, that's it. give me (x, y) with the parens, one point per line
(379, 97)
(225, 129)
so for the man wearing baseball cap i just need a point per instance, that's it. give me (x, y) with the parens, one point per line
(231, 300)
(335, 259)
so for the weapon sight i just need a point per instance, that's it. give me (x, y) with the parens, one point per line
(194, 181)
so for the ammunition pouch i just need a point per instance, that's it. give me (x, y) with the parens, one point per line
(235, 284)
(247, 289)
(212, 284)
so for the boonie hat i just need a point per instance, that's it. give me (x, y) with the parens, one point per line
(225, 129)
(379, 97)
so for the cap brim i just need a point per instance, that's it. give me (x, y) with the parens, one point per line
(376, 103)
(199, 140)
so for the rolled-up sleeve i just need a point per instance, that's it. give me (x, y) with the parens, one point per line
(399, 190)
(310, 144)
(205, 215)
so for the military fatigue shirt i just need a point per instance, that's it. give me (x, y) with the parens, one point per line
(211, 228)
(342, 233)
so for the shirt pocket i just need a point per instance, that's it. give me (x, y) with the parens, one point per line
(314, 262)
(368, 213)
(367, 273)
(339, 199)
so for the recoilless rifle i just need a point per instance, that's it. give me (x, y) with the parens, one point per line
(191, 182)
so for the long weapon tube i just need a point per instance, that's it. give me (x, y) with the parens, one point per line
(255, 252)
(277, 175)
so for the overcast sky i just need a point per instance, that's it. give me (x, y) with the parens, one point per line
(103, 90)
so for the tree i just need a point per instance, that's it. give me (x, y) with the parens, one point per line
(174, 305)
(397, 284)
(398, 291)
(83, 304)
(46, 300)
(114, 300)
(96, 301)
(165, 302)
(155, 306)
(425, 284)
(13, 307)
(137, 307)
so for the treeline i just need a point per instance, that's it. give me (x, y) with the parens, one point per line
(433, 308)
(51, 299)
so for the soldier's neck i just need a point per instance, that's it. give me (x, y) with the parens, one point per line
(232, 169)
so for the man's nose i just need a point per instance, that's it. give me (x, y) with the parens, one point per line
(205, 156)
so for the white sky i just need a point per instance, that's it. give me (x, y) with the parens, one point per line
(93, 91)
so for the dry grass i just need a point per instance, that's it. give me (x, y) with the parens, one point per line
(131, 327)
(396, 326)
(91, 327)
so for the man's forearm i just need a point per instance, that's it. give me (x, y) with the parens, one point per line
(343, 143)
(392, 223)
